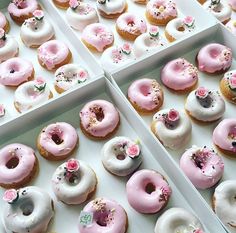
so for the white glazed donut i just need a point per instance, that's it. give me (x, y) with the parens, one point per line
(172, 128)
(205, 105)
(31, 94)
(121, 156)
(176, 220)
(81, 16)
(73, 182)
(36, 30)
(224, 203)
(29, 210)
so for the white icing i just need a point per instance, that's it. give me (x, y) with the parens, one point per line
(8, 49)
(112, 6)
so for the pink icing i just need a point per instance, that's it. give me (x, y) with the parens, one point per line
(232, 3)
(140, 199)
(26, 158)
(224, 135)
(108, 216)
(98, 35)
(146, 93)
(15, 71)
(214, 57)
(231, 25)
(58, 139)
(3, 20)
(99, 118)
(179, 74)
(202, 166)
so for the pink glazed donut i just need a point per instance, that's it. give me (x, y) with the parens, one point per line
(179, 75)
(4, 24)
(15, 71)
(214, 58)
(203, 166)
(148, 191)
(99, 119)
(18, 165)
(224, 136)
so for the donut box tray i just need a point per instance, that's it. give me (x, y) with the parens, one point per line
(201, 133)
(67, 109)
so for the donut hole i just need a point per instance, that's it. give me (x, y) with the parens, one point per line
(12, 162)
(57, 139)
(102, 219)
(53, 49)
(181, 29)
(121, 156)
(13, 68)
(150, 188)
(73, 179)
(145, 90)
(99, 114)
(214, 53)
(131, 23)
(27, 208)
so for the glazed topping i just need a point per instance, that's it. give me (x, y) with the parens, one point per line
(2, 110)
(203, 96)
(170, 119)
(119, 52)
(11, 196)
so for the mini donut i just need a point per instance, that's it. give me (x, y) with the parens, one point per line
(205, 105)
(121, 156)
(2, 110)
(8, 46)
(57, 141)
(31, 94)
(20, 10)
(111, 8)
(220, 9)
(129, 26)
(97, 37)
(69, 76)
(172, 128)
(214, 58)
(18, 165)
(4, 24)
(232, 3)
(179, 28)
(99, 119)
(108, 216)
(63, 4)
(117, 56)
(224, 136)
(179, 75)
(74, 182)
(148, 191)
(36, 30)
(223, 203)
(148, 42)
(146, 95)
(231, 25)
(176, 220)
(203, 166)
(160, 12)
(15, 71)
(53, 54)
(228, 86)
(29, 209)
(81, 15)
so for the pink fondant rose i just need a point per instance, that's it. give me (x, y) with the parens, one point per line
(38, 14)
(189, 21)
(10, 196)
(132, 150)
(72, 165)
(232, 82)
(74, 4)
(126, 48)
(173, 115)
(40, 84)
(2, 34)
(154, 31)
(2, 110)
(82, 75)
(202, 92)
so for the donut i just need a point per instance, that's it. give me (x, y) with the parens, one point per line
(108, 216)
(231, 25)
(179, 28)
(69, 76)
(148, 191)
(205, 105)
(160, 12)
(121, 156)
(228, 86)
(203, 166)
(74, 182)
(8, 46)
(224, 136)
(97, 37)
(4, 24)
(18, 165)
(148, 42)
(57, 141)
(31, 94)
(15, 71)
(117, 56)
(53, 54)
(99, 119)
(223, 202)
(146, 95)
(28, 209)
(80, 14)
(20, 10)
(220, 9)
(232, 3)
(2, 110)
(172, 128)
(36, 30)
(178, 220)
(179, 75)
(214, 58)
(63, 4)
(129, 26)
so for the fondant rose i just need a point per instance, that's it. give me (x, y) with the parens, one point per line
(202, 92)
(101, 1)
(173, 115)
(2, 110)
(2, 34)
(38, 14)
(154, 31)
(126, 48)
(189, 21)
(72, 165)
(83, 74)
(132, 150)
(10, 196)
(40, 84)
(232, 82)
(73, 4)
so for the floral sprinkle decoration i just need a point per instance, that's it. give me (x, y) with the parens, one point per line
(83, 76)
(203, 97)
(154, 31)
(126, 48)
(232, 82)
(72, 165)
(74, 4)
(85, 218)
(226, 55)
(38, 15)
(132, 150)
(165, 193)
(19, 3)
(200, 157)
(189, 21)
(11, 196)
(40, 84)
(101, 1)
(2, 34)
(116, 55)
(172, 117)
(2, 110)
